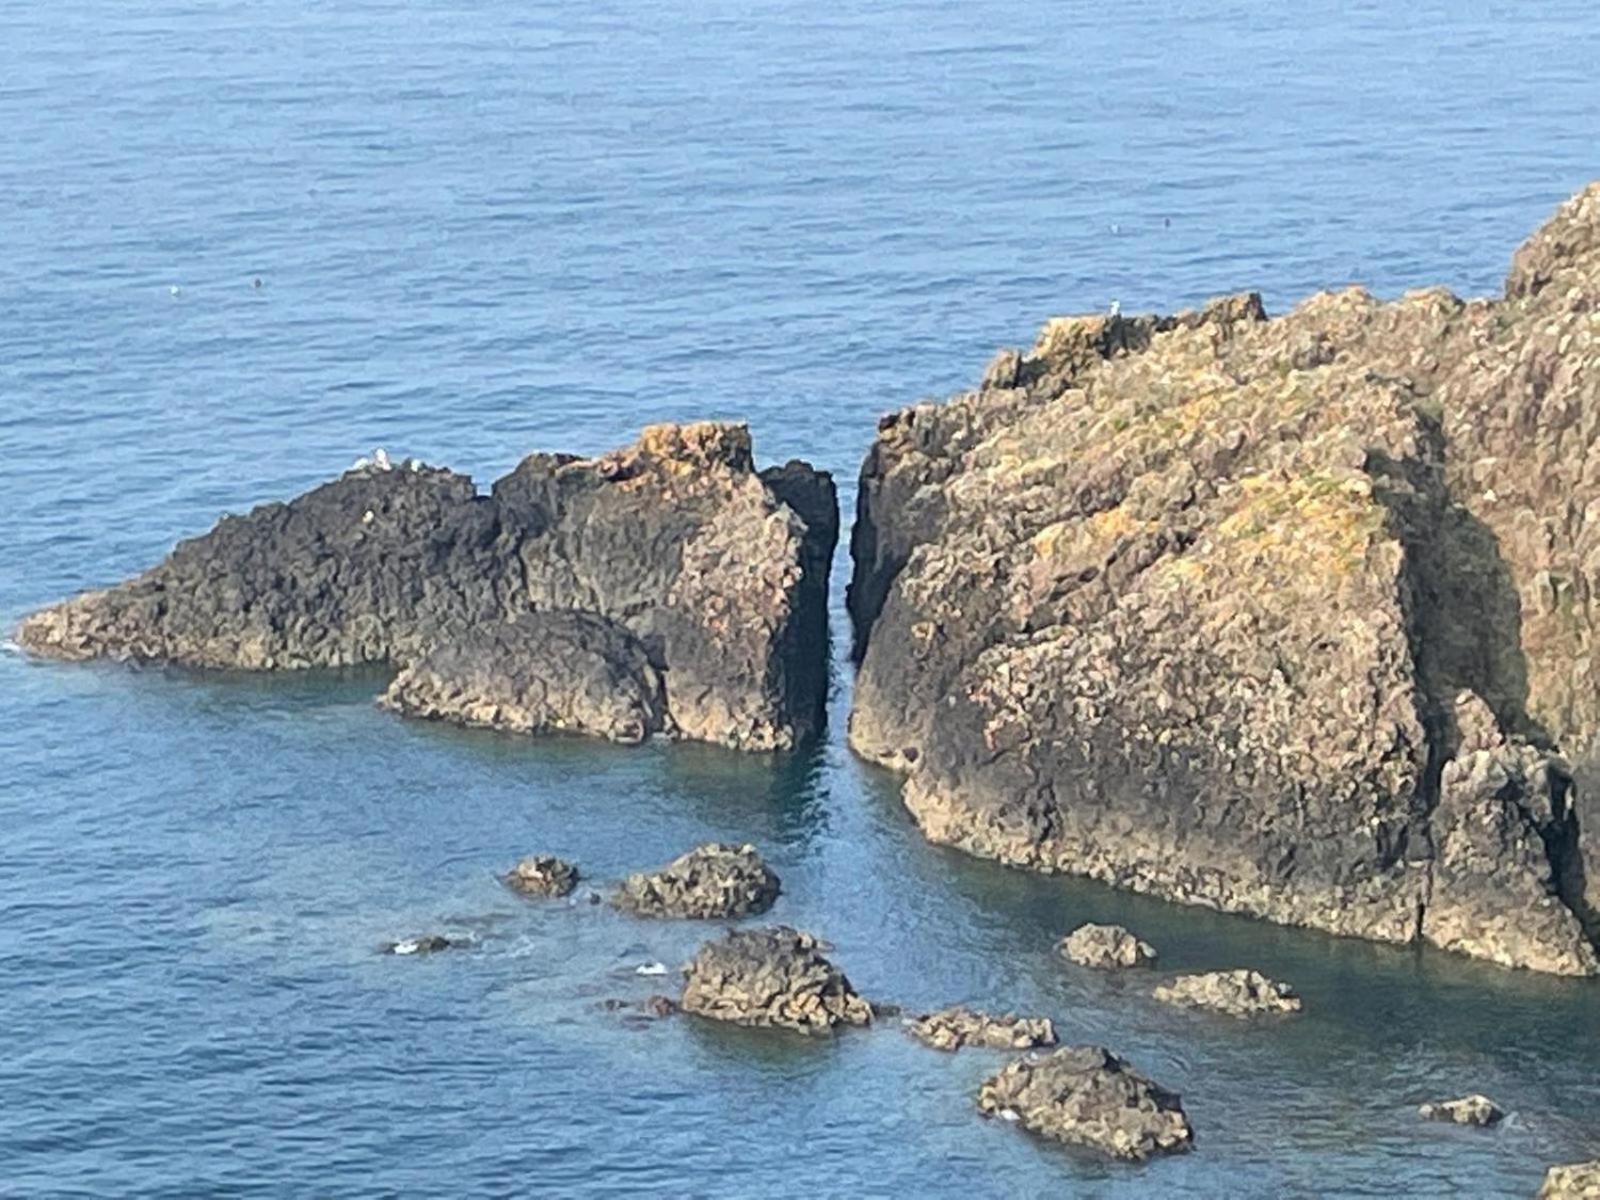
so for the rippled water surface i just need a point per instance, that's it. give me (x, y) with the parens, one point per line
(482, 229)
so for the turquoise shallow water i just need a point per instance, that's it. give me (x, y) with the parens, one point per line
(484, 229)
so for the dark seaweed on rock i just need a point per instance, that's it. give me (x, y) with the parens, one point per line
(1283, 617)
(711, 581)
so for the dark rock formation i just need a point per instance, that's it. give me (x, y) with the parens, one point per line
(1238, 993)
(542, 875)
(772, 977)
(715, 578)
(1469, 1110)
(548, 672)
(1087, 1096)
(958, 1026)
(1574, 1181)
(1282, 617)
(1105, 947)
(710, 882)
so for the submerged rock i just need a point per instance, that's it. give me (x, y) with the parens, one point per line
(1106, 947)
(664, 585)
(771, 977)
(1469, 1110)
(550, 672)
(1087, 1096)
(427, 943)
(957, 1026)
(1574, 1181)
(1204, 606)
(1240, 993)
(542, 875)
(714, 881)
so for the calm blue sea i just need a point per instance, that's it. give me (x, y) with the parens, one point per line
(487, 228)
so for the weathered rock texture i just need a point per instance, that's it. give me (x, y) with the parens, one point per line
(1574, 1181)
(1087, 1096)
(546, 672)
(1476, 1110)
(543, 875)
(1283, 617)
(710, 577)
(774, 977)
(1237, 993)
(713, 881)
(1105, 947)
(958, 1026)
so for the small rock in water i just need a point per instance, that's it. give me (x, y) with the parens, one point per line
(542, 875)
(771, 977)
(1105, 947)
(1240, 993)
(660, 1006)
(1476, 1109)
(713, 881)
(957, 1026)
(1087, 1096)
(426, 944)
(651, 968)
(1573, 1181)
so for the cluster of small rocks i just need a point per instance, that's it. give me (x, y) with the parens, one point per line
(710, 882)
(1239, 993)
(957, 1026)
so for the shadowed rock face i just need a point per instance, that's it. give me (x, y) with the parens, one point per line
(1087, 1096)
(713, 579)
(547, 672)
(1283, 617)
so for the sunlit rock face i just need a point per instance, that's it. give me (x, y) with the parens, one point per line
(1282, 616)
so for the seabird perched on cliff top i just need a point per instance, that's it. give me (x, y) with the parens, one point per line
(1116, 309)
(380, 459)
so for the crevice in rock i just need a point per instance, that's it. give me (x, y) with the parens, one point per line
(1464, 627)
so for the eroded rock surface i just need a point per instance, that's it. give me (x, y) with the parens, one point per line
(771, 977)
(1573, 1181)
(1284, 617)
(714, 577)
(1240, 993)
(1476, 1110)
(1087, 1096)
(714, 881)
(1105, 947)
(543, 875)
(548, 672)
(958, 1026)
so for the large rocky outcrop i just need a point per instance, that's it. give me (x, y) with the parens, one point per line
(1284, 617)
(705, 585)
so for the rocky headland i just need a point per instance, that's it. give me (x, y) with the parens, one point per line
(666, 587)
(1287, 616)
